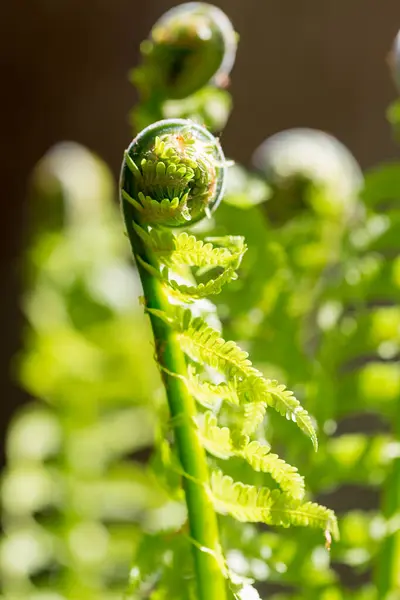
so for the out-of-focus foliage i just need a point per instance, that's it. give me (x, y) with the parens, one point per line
(73, 493)
(393, 115)
(326, 319)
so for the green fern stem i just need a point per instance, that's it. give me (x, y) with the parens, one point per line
(203, 526)
(201, 514)
(388, 569)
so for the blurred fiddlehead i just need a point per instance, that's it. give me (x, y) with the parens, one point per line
(185, 65)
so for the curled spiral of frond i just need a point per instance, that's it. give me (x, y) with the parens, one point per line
(173, 173)
(189, 46)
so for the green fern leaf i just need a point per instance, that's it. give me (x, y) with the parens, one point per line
(261, 459)
(183, 249)
(205, 345)
(256, 387)
(254, 413)
(203, 290)
(243, 502)
(216, 440)
(173, 212)
(261, 505)
(189, 293)
(210, 394)
(288, 513)
(219, 442)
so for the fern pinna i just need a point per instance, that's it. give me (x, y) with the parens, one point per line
(173, 174)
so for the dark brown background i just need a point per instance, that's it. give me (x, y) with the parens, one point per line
(317, 63)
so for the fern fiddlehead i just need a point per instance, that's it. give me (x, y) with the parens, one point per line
(185, 64)
(173, 174)
(183, 168)
(308, 167)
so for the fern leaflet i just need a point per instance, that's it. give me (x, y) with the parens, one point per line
(259, 457)
(174, 211)
(205, 345)
(183, 249)
(219, 442)
(210, 394)
(256, 387)
(261, 505)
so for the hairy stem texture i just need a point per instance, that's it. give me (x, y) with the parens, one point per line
(202, 518)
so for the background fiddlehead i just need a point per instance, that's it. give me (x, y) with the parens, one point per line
(186, 64)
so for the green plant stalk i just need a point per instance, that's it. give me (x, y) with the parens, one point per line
(388, 568)
(203, 524)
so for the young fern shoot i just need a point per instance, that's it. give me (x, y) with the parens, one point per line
(173, 175)
(186, 62)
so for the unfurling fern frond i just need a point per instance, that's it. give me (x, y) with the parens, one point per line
(249, 503)
(189, 52)
(175, 169)
(173, 175)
